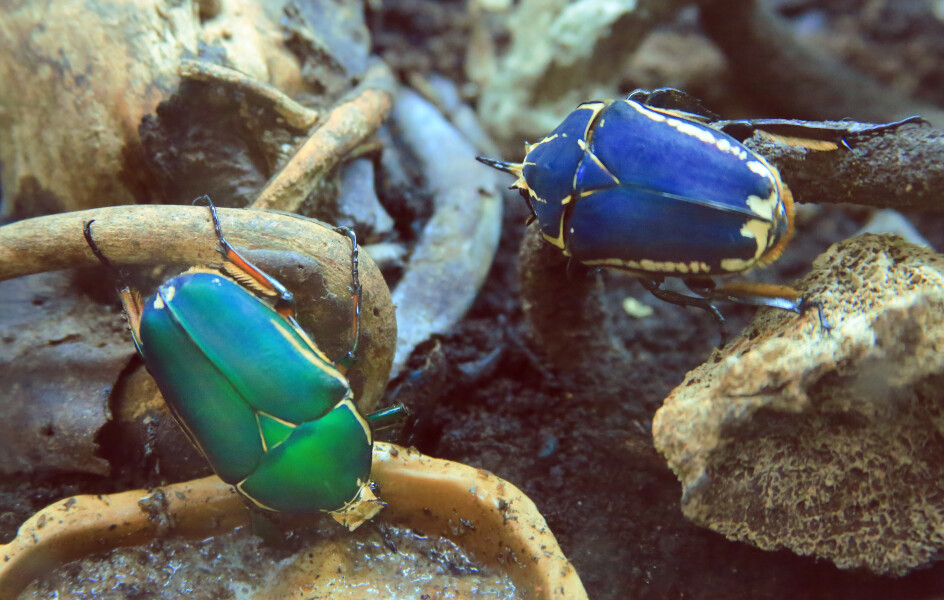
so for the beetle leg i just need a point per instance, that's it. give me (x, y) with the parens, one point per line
(765, 294)
(248, 274)
(791, 132)
(674, 101)
(800, 135)
(355, 296)
(859, 131)
(131, 300)
(815, 135)
(388, 417)
(807, 305)
(655, 288)
(759, 294)
(702, 287)
(870, 129)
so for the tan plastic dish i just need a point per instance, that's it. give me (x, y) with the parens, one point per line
(485, 515)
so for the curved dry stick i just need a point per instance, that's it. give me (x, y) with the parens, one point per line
(342, 130)
(314, 255)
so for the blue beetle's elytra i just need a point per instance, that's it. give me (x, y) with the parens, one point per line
(696, 201)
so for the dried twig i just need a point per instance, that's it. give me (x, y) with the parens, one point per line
(342, 130)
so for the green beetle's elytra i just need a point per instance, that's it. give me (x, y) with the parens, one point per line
(272, 414)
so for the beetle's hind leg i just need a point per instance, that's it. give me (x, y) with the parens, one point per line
(673, 100)
(765, 294)
(654, 287)
(813, 135)
(239, 268)
(131, 300)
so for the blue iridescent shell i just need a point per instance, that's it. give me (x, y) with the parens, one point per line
(655, 192)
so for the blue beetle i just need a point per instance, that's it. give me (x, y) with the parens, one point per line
(655, 186)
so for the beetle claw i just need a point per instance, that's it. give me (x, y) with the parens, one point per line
(803, 306)
(719, 318)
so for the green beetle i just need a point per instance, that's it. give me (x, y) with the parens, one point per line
(272, 414)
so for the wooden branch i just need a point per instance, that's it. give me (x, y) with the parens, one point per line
(343, 129)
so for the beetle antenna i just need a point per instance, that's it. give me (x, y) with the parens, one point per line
(501, 165)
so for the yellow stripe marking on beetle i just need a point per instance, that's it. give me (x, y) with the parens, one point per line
(559, 240)
(348, 403)
(308, 349)
(652, 266)
(759, 231)
(764, 207)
